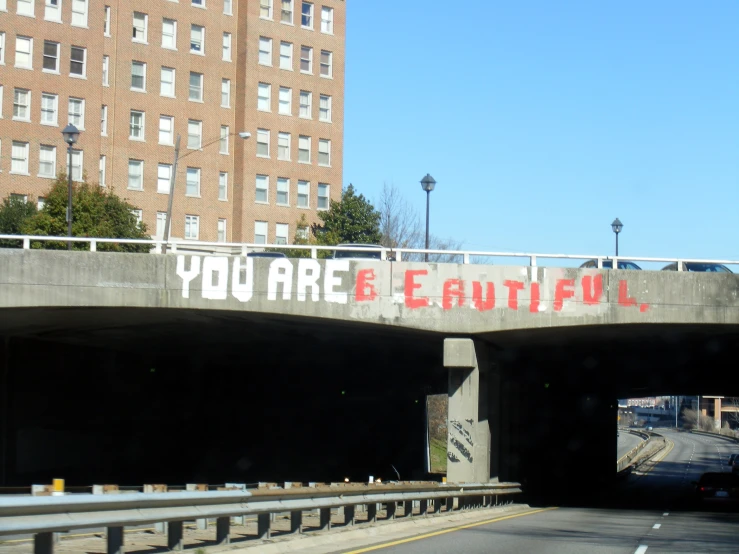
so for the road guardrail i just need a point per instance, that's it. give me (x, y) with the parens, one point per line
(627, 459)
(44, 516)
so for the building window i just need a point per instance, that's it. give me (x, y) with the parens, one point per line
(106, 22)
(106, 69)
(221, 230)
(76, 169)
(196, 86)
(304, 149)
(41, 202)
(326, 63)
(226, 47)
(265, 9)
(138, 214)
(169, 34)
(260, 232)
(166, 129)
(225, 93)
(25, 7)
(306, 59)
(138, 76)
(164, 178)
(102, 172)
(47, 161)
(286, 56)
(136, 125)
(24, 52)
(194, 134)
(22, 104)
(192, 227)
(79, 13)
(265, 51)
(303, 194)
(161, 224)
(283, 146)
(264, 96)
(324, 111)
(2, 48)
(49, 109)
(324, 152)
(327, 20)
(19, 158)
(306, 19)
(77, 112)
(22, 197)
(140, 27)
(306, 99)
(262, 189)
(286, 15)
(285, 101)
(51, 56)
(223, 146)
(77, 60)
(228, 7)
(192, 181)
(263, 143)
(166, 82)
(136, 174)
(103, 120)
(198, 3)
(197, 39)
(323, 196)
(223, 186)
(302, 233)
(283, 191)
(282, 231)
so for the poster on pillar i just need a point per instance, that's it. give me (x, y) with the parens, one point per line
(437, 410)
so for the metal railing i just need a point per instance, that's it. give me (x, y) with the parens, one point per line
(389, 254)
(44, 516)
(627, 459)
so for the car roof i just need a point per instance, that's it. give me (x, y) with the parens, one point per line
(267, 254)
(699, 266)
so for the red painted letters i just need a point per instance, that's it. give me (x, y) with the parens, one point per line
(592, 289)
(623, 295)
(453, 288)
(489, 302)
(513, 288)
(411, 285)
(365, 288)
(560, 292)
(535, 295)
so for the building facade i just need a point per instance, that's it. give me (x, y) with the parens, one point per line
(134, 75)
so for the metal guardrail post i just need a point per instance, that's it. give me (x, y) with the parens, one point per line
(392, 508)
(223, 528)
(423, 507)
(26, 244)
(93, 246)
(264, 530)
(296, 522)
(436, 506)
(408, 508)
(372, 513)
(349, 518)
(115, 540)
(43, 543)
(450, 504)
(325, 519)
(175, 536)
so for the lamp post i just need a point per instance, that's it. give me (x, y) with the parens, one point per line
(428, 184)
(70, 134)
(167, 223)
(617, 226)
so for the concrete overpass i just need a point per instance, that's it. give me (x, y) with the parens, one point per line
(508, 343)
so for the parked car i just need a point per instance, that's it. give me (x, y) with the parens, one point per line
(266, 255)
(717, 486)
(696, 266)
(362, 252)
(608, 264)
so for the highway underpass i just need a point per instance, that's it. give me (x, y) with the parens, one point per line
(132, 395)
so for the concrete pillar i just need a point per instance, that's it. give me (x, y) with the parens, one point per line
(717, 412)
(175, 536)
(263, 526)
(223, 529)
(115, 540)
(469, 440)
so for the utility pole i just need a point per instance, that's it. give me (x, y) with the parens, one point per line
(168, 222)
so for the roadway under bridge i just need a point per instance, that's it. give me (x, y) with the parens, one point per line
(111, 372)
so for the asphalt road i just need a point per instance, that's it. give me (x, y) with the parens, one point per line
(648, 513)
(625, 442)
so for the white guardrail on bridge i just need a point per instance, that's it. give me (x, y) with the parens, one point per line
(627, 459)
(389, 254)
(43, 516)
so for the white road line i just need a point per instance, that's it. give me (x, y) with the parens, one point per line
(666, 514)
(642, 549)
(656, 526)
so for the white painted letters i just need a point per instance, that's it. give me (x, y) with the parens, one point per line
(242, 291)
(215, 266)
(309, 271)
(330, 281)
(280, 272)
(187, 276)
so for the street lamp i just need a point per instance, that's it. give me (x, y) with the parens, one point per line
(617, 226)
(70, 134)
(427, 184)
(242, 134)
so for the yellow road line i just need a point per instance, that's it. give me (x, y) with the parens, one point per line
(659, 457)
(444, 531)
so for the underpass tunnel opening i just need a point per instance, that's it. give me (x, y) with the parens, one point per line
(180, 397)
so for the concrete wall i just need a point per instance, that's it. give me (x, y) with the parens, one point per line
(447, 298)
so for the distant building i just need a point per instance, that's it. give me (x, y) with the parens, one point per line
(134, 75)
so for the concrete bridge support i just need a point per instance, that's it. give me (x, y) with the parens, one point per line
(471, 451)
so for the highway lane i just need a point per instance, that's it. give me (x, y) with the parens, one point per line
(626, 442)
(652, 512)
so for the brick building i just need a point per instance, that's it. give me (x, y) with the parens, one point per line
(133, 75)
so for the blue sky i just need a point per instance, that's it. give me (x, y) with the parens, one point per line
(543, 120)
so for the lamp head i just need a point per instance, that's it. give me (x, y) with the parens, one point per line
(617, 226)
(428, 183)
(71, 134)
(244, 134)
